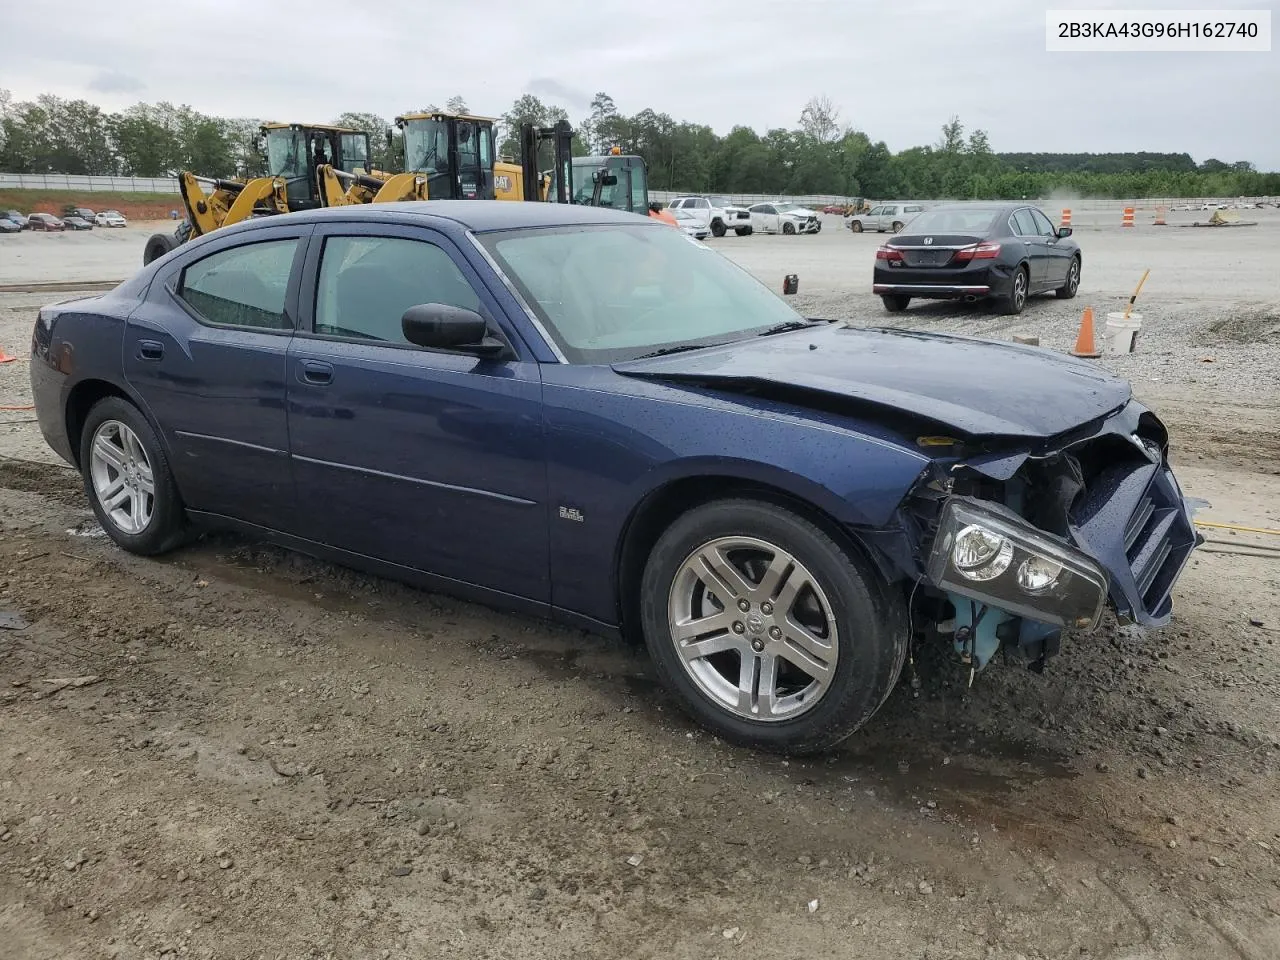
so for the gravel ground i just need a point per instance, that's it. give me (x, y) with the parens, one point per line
(238, 752)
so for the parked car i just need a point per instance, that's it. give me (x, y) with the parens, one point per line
(890, 217)
(44, 221)
(19, 218)
(1006, 252)
(84, 213)
(717, 213)
(575, 412)
(111, 218)
(782, 217)
(9, 226)
(77, 223)
(691, 224)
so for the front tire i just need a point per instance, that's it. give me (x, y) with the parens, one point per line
(788, 228)
(1068, 290)
(895, 302)
(128, 481)
(717, 228)
(856, 226)
(158, 246)
(897, 226)
(769, 632)
(1016, 299)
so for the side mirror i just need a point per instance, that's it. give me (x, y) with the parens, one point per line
(1064, 232)
(452, 328)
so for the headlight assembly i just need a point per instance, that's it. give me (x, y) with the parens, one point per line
(990, 554)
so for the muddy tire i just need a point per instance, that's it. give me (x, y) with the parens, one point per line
(768, 631)
(128, 481)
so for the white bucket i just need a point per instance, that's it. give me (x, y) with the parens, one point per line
(1122, 333)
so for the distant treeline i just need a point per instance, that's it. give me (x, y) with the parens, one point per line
(820, 155)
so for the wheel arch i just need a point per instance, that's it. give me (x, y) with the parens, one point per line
(662, 505)
(81, 399)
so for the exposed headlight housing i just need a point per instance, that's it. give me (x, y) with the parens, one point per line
(990, 554)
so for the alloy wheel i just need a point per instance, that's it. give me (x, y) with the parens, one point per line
(122, 477)
(753, 628)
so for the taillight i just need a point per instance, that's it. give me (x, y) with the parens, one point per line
(886, 252)
(979, 251)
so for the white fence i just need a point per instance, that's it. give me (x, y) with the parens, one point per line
(66, 181)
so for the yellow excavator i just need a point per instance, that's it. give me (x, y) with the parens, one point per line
(294, 153)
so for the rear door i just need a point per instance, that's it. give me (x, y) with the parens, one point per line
(429, 459)
(1023, 225)
(206, 352)
(1058, 253)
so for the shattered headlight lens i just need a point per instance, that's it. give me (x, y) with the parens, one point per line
(988, 553)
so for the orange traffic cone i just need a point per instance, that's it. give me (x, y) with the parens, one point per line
(1085, 344)
(5, 358)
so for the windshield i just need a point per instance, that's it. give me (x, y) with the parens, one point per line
(426, 146)
(584, 186)
(976, 221)
(787, 207)
(721, 202)
(616, 292)
(286, 153)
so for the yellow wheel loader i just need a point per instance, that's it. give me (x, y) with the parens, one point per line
(295, 153)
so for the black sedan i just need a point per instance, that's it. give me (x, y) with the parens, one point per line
(962, 251)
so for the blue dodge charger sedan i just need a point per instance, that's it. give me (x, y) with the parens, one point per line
(584, 414)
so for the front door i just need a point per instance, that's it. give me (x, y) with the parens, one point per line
(428, 459)
(206, 351)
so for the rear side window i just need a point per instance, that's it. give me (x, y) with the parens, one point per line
(367, 283)
(242, 287)
(1023, 223)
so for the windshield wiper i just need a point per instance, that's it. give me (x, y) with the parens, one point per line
(678, 348)
(789, 326)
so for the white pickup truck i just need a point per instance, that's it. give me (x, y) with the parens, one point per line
(717, 213)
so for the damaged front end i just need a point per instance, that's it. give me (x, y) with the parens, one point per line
(1018, 544)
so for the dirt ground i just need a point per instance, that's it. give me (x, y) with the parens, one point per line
(237, 752)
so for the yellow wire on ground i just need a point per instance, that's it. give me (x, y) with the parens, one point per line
(1232, 526)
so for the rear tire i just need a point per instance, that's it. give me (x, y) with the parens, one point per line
(1068, 290)
(853, 630)
(134, 460)
(717, 228)
(743, 231)
(895, 302)
(1015, 300)
(855, 226)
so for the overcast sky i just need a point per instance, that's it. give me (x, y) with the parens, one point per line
(896, 68)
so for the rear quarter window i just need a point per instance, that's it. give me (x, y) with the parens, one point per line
(243, 286)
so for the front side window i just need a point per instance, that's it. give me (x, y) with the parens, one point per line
(616, 292)
(367, 283)
(242, 287)
(1043, 226)
(286, 153)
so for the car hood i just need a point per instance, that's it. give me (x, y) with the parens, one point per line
(803, 212)
(976, 387)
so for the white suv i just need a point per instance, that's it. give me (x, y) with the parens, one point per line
(717, 213)
(885, 216)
